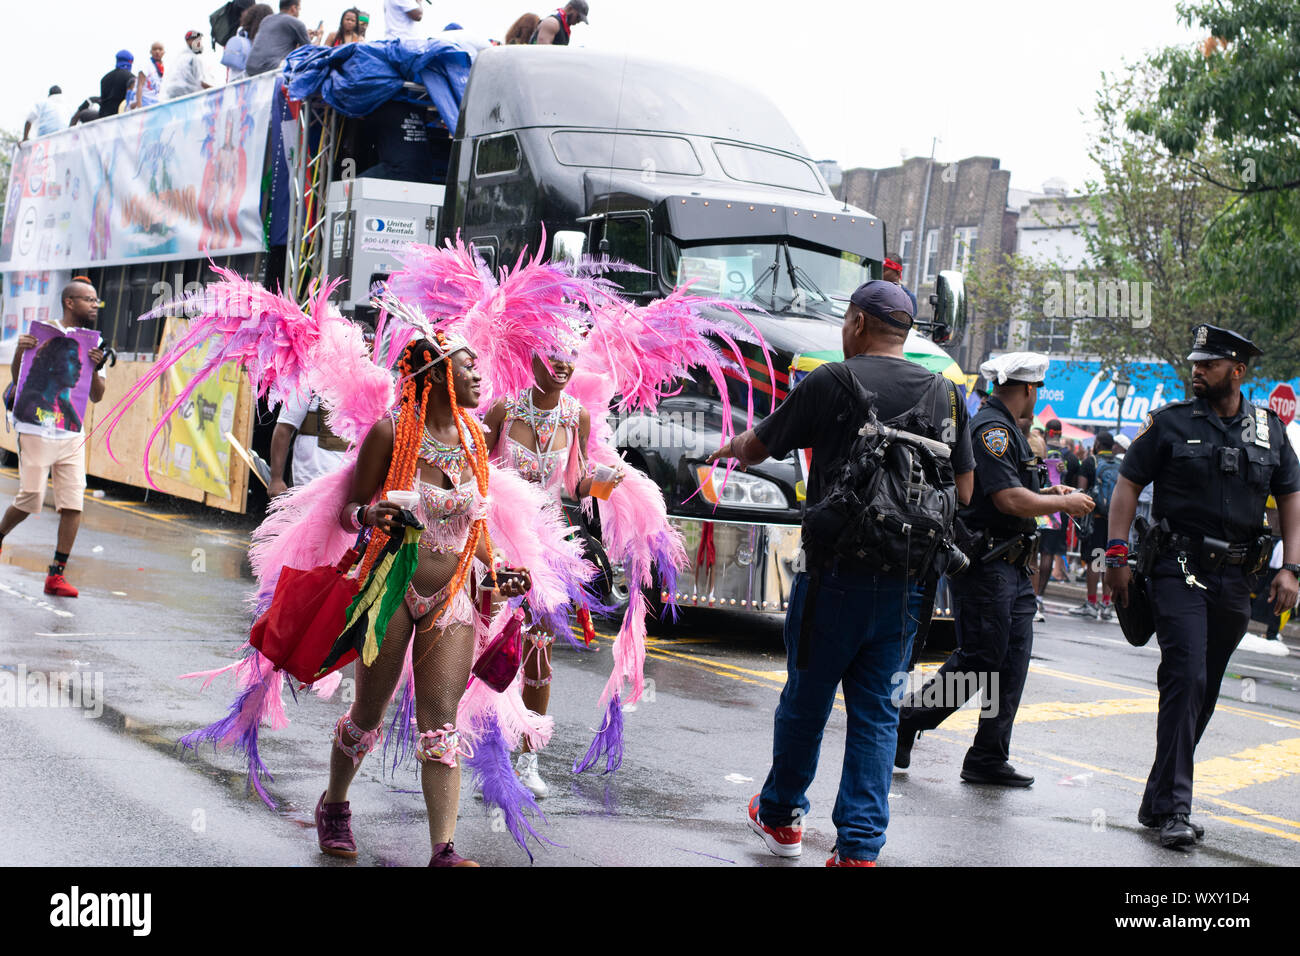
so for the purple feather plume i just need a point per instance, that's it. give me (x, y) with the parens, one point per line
(238, 730)
(401, 729)
(501, 789)
(608, 741)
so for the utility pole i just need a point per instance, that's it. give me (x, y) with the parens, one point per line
(918, 275)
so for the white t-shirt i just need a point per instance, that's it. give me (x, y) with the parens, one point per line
(309, 461)
(48, 431)
(185, 76)
(50, 115)
(397, 25)
(153, 83)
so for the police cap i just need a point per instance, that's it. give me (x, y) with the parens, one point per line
(1210, 342)
(1029, 368)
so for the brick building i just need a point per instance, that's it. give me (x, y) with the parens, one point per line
(967, 210)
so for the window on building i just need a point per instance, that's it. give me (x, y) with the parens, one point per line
(931, 256)
(905, 252)
(1050, 336)
(963, 247)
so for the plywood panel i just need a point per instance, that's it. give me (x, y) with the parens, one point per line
(133, 431)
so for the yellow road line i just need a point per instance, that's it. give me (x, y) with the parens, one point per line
(966, 718)
(1049, 711)
(1249, 825)
(1221, 708)
(1262, 764)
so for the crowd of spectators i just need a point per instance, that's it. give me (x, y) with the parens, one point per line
(256, 39)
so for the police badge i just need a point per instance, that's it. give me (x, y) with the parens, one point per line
(1201, 334)
(996, 440)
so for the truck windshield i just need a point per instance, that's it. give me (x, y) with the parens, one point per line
(778, 276)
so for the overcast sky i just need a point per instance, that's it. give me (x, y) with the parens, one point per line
(863, 82)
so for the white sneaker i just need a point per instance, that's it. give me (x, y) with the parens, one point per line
(526, 771)
(1038, 613)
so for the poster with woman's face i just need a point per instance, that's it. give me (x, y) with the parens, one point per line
(54, 381)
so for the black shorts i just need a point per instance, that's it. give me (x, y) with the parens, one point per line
(1051, 541)
(1096, 541)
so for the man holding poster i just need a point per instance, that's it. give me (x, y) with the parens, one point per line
(59, 369)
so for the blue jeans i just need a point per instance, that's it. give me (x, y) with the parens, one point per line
(861, 637)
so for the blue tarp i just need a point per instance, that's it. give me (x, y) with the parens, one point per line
(358, 78)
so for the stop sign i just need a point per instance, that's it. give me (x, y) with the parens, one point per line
(1282, 401)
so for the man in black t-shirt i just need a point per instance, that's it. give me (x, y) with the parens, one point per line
(114, 84)
(862, 622)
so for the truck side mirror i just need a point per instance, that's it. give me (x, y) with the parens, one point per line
(949, 301)
(568, 246)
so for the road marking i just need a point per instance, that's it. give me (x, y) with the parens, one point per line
(1262, 764)
(1145, 704)
(1096, 682)
(35, 602)
(966, 719)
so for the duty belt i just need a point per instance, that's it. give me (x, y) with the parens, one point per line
(314, 424)
(1213, 551)
(1210, 554)
(1018, 551)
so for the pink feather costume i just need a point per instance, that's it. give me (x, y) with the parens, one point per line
(634, 352)
(288, 351)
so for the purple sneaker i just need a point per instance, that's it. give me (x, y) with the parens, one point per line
(444, 854)
(334, 829)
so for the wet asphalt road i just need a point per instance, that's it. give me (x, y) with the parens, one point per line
(162, 590)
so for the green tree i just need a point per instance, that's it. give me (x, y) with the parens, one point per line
(1231, 108)
(1154, 214)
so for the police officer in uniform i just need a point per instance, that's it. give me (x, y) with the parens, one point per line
(993, 602)
(1214, 460)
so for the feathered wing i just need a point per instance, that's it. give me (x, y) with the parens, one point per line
(285, 350)
(635, 357)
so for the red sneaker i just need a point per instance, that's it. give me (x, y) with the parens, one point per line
(837, 860)
(783, 841)
(444, 854)
(58, 585)
(334, 829)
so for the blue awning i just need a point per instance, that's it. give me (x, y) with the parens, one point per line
(358, 78)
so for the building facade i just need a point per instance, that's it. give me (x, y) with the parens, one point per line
(965, 211)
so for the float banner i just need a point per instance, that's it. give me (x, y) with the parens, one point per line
(192, 447)
(179, 180)
(28, 297)
(54, 379)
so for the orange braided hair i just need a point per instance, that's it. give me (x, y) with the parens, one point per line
(407, 431)
(477, 456)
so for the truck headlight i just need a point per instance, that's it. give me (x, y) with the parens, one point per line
(742, 490)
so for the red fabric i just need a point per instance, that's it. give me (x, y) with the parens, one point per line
(500, 660)
(306, 616)
(705, 556)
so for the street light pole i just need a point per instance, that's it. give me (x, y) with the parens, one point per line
(1122, 385)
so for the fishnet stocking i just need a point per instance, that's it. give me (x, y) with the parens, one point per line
(444, 656)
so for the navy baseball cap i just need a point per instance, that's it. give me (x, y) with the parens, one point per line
(880, 298)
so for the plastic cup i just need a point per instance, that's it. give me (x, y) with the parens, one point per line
(405, 499)
(602, 482)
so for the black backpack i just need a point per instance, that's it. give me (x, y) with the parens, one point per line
(891, 504)
(224, 21)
